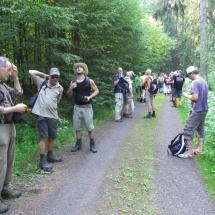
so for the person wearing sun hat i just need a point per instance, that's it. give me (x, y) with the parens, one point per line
(196, 120)
(84, 90)
(47, 115)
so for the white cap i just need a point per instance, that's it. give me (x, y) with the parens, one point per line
(191, 69)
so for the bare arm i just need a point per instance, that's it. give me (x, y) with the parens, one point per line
(192, 97)
(17, 108)
(34, 73)
(14, 73)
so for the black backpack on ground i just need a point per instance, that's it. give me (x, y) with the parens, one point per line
(178, 145)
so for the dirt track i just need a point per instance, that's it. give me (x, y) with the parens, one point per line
(75, 185)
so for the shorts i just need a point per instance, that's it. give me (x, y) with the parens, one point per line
(83, 113)
(149, 97)
(195, 122)
(127, 98)
(47, 127)
(176, 93)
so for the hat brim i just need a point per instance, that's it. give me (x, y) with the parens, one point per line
(83, 65)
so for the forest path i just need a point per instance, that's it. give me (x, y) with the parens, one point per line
(75, 185)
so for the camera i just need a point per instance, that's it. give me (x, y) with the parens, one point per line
(84, 99)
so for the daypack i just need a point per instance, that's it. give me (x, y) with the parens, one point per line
(178, 145)
(125, 86)
(35, 96)
(153, 88)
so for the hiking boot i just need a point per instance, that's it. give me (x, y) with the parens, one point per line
(10, 194)
(3, 208)
(78, 146)
(45, 166)
(93, 147)
(153, 115)
(148, 116)
(52, 158)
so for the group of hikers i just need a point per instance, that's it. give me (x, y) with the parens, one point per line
(84, 89)
(45, 108)
(168, 84)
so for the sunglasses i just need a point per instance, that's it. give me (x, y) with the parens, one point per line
(55, 77)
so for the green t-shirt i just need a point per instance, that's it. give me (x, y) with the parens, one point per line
(137, 81)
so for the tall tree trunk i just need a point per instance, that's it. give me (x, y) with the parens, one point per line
(203, 38)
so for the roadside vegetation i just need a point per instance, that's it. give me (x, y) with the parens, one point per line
(128, 182)
(207, 158)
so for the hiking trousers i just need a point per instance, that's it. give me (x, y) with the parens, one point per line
(7, 151)
(119, 105)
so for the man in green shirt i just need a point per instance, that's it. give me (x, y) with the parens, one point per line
(138, 86)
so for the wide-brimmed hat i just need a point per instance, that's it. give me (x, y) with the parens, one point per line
(83, 65)
(54, 71)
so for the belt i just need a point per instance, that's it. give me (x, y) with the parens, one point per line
(84, 106)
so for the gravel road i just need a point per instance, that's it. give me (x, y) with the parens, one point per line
(75, 185)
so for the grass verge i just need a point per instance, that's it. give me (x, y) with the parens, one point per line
(128, 184)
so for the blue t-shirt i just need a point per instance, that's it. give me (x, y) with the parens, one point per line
(200, 87)
(118, 87)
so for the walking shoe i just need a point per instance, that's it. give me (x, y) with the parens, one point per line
(45, 166)
(10, 194)
(78, 146)
(148, 116)
(3, 208)
(93, 148)
(186, 155)
(127, 115)
(118, 120)
(52, 158)
(153, 115)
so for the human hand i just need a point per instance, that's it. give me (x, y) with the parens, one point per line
(20, 108)
(14, 71)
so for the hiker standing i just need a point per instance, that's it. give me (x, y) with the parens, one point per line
(138, 86)
(129, 103)
(178, 82)
(47, 116)
(7, 128)
(84, 90)
(196, 120)
(118, 94)
(148, 96)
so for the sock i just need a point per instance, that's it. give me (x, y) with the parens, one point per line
(49, 153)
(153, 113)
(42, 156)
(79, 141)
(92, 141)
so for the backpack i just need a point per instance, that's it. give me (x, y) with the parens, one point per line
(178, 145)
(153, 88)
(125, 86)
(35, 96)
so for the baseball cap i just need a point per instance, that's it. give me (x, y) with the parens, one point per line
(191, 69)
(54, 71)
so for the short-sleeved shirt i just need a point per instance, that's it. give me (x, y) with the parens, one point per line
(48, 99)
(200, 87)
(6, 95)
(118, 87)
(137, 81)
(178, 82)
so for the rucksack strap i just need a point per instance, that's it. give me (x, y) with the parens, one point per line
(172, 141)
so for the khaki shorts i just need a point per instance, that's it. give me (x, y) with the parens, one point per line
(83, 113)
(149, 98)
(195, 122)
